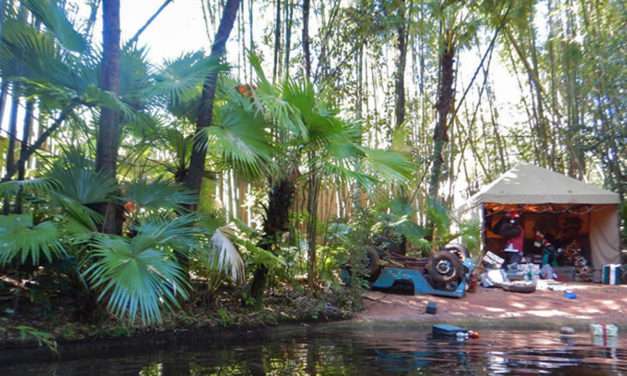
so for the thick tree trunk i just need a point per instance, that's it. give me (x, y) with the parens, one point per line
(444, 106)
(275, 224)
(109, 128)
(196, 171)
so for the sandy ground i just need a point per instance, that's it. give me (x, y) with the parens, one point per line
(594, 303)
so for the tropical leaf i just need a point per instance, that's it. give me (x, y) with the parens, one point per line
(180, 234)
(76, 178)
(21, 240)
(389, 164)
(180, 80)
(53, 16)
(40, 185)
(240, 138)
(38, 58)
(135, 278)
(158, 194)
(225, 258)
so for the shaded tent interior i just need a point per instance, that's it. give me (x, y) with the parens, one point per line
(563, 208)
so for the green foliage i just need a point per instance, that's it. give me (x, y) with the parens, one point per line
(470, 233)
(157, 194)
(21, 240)
(43, 338)
(53, 16)
(136, 277)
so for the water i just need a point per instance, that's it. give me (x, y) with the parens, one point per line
(356, 350)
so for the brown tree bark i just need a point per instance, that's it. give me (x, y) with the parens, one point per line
(399, 79)
(306, 51)
(277, 41)
(275, 223)
(12, 135)
(21, 163)
(444, 107)
(194, 176)
(108, 140)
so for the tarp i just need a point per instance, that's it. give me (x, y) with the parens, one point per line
(528, 184)
(604, 236)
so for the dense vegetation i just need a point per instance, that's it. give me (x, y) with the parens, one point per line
(137, 187)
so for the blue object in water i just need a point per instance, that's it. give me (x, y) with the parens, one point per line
(570, 295)
(447, 330)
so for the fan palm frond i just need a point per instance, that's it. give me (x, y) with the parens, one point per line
(77, 179)
(39, 58)
(389, 164)
(135, 278)
(268, 99)
(241, 139)
(180, 80)
(40, 185)
(225, 258)
(53, 16)
(179, 233)
(21, 239)
(158, 194)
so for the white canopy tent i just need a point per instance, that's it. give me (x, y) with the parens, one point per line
(528, 184)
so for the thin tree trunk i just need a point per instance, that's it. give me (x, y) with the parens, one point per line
(29, 151)
(399, 80)
(444, 107)
(277, 41)
(148, 22)
(12, 135)
(306, 52)
(205, 112)
(107, 143)
(288, 37)
(21, 164)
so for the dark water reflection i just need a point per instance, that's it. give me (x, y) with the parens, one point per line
(341, 350)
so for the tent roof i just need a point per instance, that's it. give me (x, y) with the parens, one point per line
(528, 184)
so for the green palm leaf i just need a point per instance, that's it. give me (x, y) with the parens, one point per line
(240, 138)
(21, 240)
(158, 194)
(53, 16)
(135, 279)
(180, 80)
(40, 185)
(389, 164)
(77, 179)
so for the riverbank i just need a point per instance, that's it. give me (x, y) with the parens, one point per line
(495, 308)
(33, 335)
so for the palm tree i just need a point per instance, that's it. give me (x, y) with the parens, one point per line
(196, 171)
(304, 128)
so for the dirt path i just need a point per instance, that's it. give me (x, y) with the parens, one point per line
(594, 303)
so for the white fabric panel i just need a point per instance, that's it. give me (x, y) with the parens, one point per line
(604, 236)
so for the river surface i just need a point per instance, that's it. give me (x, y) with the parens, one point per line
(355, 350)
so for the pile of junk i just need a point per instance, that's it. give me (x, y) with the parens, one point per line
(513, 269)
(445, 273)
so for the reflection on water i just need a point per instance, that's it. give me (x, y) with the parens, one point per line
(360, 351)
